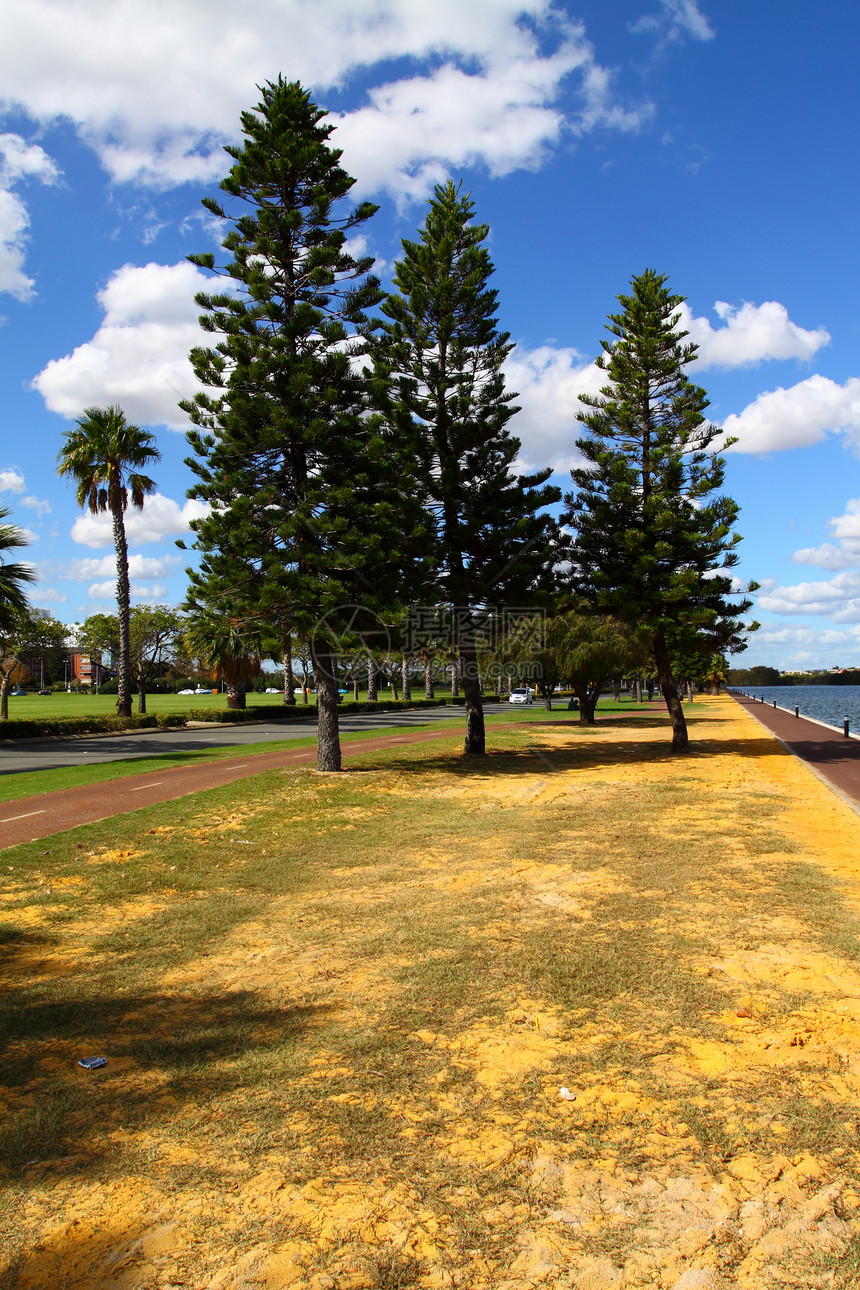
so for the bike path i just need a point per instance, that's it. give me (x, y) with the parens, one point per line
(833, 757)
(28, 818)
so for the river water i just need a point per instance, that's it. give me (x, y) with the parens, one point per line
(830, 703)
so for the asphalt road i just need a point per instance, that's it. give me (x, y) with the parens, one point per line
(48, 753)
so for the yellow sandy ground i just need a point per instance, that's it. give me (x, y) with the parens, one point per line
(608, 1188)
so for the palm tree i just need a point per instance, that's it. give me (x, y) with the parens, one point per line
(223, 650)
(103, 455)
(12, 598)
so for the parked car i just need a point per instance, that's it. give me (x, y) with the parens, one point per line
(186, 691)
(205, 689)
(272, 690)
(524, 695)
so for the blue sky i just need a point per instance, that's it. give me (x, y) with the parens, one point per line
(712, 141)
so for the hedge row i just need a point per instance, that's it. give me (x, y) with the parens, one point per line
(109, 723)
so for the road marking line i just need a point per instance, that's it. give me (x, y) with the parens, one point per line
(239, 767)
(141, 787)
(21, 817)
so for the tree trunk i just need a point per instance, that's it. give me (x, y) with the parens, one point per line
(588, 696)
(680, 739)
(372, 675)
(616, 690)
(141, 690)
(392, 685)
(328, 734)
(236, 694)
(455, 689)
(429, 691)
(404, 677)
(546, 693)
(123, 605)
(4, 699)
(355, 688)
(475, 741)
(289, 676)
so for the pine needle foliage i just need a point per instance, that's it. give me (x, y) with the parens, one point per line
(440, 358)
(653, 539)
(308, 500)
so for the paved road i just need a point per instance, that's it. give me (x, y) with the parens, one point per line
(833, 757)
(47, 754)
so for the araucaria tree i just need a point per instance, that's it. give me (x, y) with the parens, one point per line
(440, 359)
(651, 541)
(104, 455)
(307, 508)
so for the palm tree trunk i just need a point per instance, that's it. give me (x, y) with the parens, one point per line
(404, 677)
(123, 605)
(372, 692)
(429, 691)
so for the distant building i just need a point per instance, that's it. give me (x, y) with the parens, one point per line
(89, 671)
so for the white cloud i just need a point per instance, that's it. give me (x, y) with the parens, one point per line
(161, 517)
(413, 132)
(549, 382)
(139, 566)
(798, 416)
(139, 355)
(837, 598)
(37, 504)
(156, 92)
(846, 528)
(139, 591)
(11, 480)
(50, 596)
(29, 535)
(751, 334)
(18, 160)
(677, 19)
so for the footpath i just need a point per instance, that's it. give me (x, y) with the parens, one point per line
(833, 757)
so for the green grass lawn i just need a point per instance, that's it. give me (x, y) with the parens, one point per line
(29, 706)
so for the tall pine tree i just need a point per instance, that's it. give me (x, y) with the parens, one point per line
(308, 501)
(440, 360)
(651, 542)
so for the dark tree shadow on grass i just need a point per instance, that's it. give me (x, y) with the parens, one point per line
(162, 1051)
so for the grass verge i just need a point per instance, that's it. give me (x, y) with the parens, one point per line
(338, 1011)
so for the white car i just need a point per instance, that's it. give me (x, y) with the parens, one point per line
(271, 691)
(185, 691)
(524, 695)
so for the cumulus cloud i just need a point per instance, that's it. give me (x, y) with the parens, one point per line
(139, 591)
(11, 480)
(161, 517)
(139, 566)
(50, 596)
(837, 598)
(139, 355)
(96, 65)
(19, 160)
(549, 382)
(833, 556)
(750, 335)
(798, 416)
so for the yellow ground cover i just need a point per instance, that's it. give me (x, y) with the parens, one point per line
(351, 1076)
